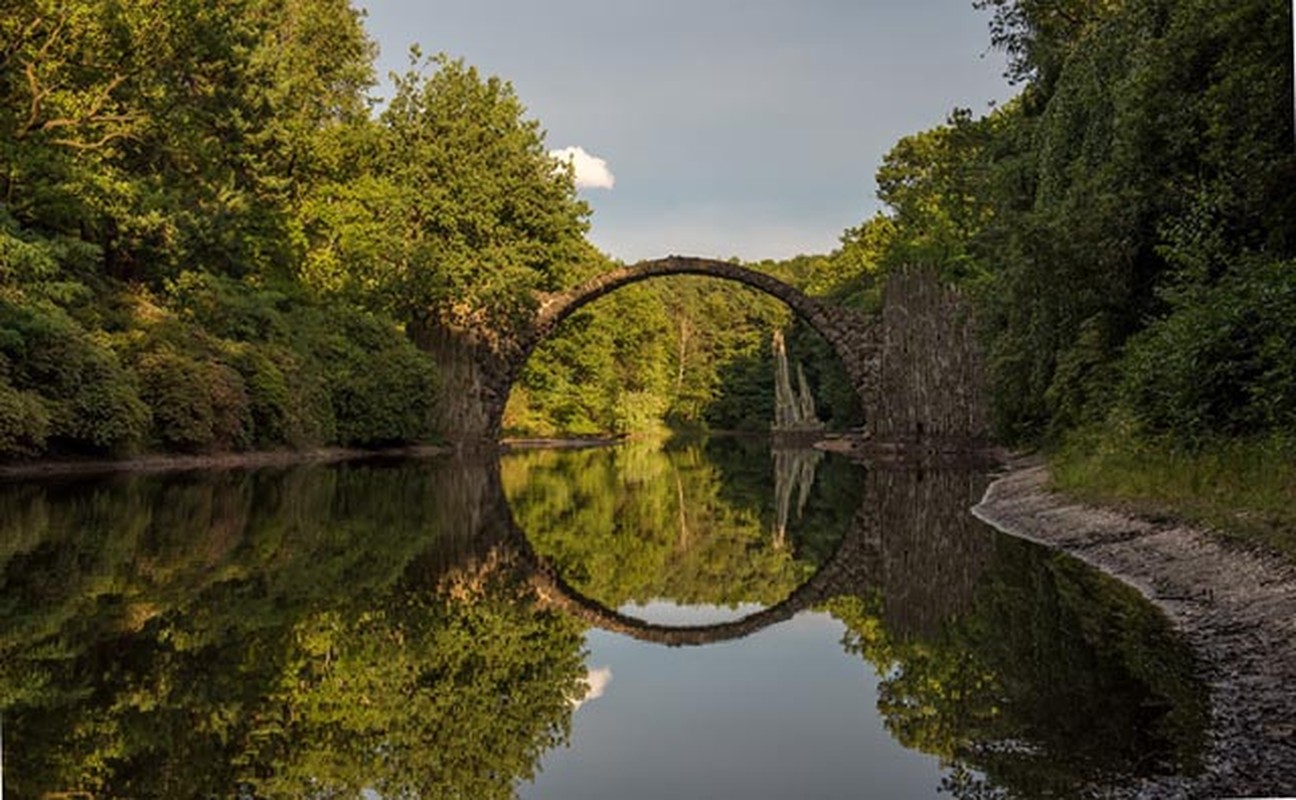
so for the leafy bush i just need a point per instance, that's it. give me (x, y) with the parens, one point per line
(229, 308)
(104, 411)
(24, 422)
(383, 388)
(36, 266)
(196, 406)
(238, 365)
(1222, 363)
(92, 400)
(289, 402)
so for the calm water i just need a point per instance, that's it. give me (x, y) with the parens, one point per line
(691, 621)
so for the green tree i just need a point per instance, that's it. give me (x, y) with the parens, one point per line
(605, 370)
(934, 185)
(1142, 181)
(450, 208)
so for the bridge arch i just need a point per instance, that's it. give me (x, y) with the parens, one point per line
(478, 363)
(851, 335)
(825, 319)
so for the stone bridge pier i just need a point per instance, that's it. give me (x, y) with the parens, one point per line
(478, 363)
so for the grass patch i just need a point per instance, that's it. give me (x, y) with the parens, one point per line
(1244, 489)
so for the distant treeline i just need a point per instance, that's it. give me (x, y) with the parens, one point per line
(212, 236)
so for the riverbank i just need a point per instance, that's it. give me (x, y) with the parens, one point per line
(172, 462)
(1236, 607)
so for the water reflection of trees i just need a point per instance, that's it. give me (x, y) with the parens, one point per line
(313, 632)
(695, 523)
(1027, 673)
(306, 633)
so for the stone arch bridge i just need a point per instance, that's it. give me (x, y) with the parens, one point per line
(478, 365)
(914, 366)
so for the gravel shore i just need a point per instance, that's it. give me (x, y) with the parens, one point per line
(1236, 608)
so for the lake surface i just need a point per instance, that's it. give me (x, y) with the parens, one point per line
(690, 620)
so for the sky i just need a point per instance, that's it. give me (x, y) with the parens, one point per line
(717, 128)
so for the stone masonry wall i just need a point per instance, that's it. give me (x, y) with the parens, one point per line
(930, 383)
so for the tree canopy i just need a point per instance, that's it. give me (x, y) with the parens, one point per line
(211, 239)
(207, 225)
(1126, 223)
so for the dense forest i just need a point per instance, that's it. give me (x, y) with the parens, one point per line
(1128, 222)
(213, 236)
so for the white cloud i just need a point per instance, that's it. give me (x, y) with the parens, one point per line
(591, 171)
(596, 680)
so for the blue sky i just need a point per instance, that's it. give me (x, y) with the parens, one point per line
(747, 128)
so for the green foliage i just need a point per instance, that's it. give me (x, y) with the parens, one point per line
(312, 373)
(167, 134)
(24, 421)
(225, 164)
(724, 374)
(1222, 362)
(92, 401)
(1158, 159)
(215, 364)
(1039, 35)
(606, 370)
(150, 148)
(1126, 225)
(451, 205)
(413, 681)
(693, 523)
(289, 402)
(40, 267)
(1055, 681)
(691, 352)
(196, 406)
(934, 184)
(382, 388)
(176, 636)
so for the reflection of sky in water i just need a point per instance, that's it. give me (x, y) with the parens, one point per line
(664, 612)
(784, 713)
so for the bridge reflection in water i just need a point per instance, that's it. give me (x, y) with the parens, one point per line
(910, 541)
(1026, 673)
(308, 618)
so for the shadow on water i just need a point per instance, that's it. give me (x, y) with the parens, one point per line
(415, 628)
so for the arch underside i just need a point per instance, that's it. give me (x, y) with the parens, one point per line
(851, 335)
(555, 308)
